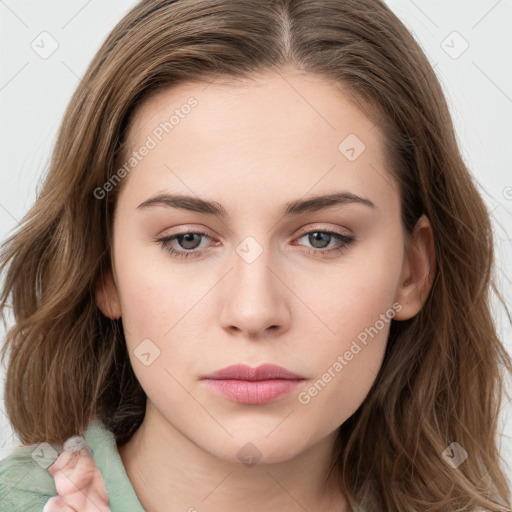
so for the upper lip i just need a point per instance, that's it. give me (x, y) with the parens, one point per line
(245, 372)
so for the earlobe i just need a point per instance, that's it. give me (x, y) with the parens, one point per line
(107, 298)
(418, 271)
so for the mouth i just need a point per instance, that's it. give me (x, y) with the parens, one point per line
(253, 386)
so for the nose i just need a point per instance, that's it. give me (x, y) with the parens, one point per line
(255, 297)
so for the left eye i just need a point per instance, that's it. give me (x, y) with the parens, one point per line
(190, 241)
(323, 237)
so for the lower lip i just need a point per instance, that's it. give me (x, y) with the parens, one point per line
(253, 392)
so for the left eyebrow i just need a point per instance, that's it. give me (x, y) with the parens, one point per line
(295, 207)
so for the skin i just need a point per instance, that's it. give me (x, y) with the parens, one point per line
(253, 147)
(78, 482)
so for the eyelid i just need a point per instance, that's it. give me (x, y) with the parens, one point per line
(183, 230)
(321, 227)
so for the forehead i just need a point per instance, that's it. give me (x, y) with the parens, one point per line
(266, 103)
(286, 131)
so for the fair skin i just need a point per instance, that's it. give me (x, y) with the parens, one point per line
(252, 148)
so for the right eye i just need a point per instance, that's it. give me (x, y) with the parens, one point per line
(188, 240)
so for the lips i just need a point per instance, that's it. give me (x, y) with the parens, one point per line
(253, 386)
(262, 372)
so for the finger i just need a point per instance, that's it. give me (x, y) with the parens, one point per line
(62, 461)
(77, 478)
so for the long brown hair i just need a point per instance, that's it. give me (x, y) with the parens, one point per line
(441, 379)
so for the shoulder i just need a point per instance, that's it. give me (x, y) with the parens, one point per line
(25, 484)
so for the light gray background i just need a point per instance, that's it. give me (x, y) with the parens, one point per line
(34, 92)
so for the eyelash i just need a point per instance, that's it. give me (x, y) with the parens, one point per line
(346, 241)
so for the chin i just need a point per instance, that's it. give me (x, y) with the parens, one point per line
(253, 448)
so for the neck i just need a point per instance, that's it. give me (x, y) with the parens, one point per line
(167, 468)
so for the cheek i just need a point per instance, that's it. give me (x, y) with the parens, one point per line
(347, 363)
(351, 296)
(356, 308)
(161, 317)
(153, 292)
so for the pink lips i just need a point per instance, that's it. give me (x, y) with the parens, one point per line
(244, 384)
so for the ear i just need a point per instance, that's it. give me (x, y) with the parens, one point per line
(107, 297)
(417, 272)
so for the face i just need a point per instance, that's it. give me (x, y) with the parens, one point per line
(311, 287)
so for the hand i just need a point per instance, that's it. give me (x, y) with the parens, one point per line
(78, 481)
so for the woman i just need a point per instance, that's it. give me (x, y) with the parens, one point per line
(257, 276)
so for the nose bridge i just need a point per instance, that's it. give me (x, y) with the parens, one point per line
(254, 298)
(251, 271)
